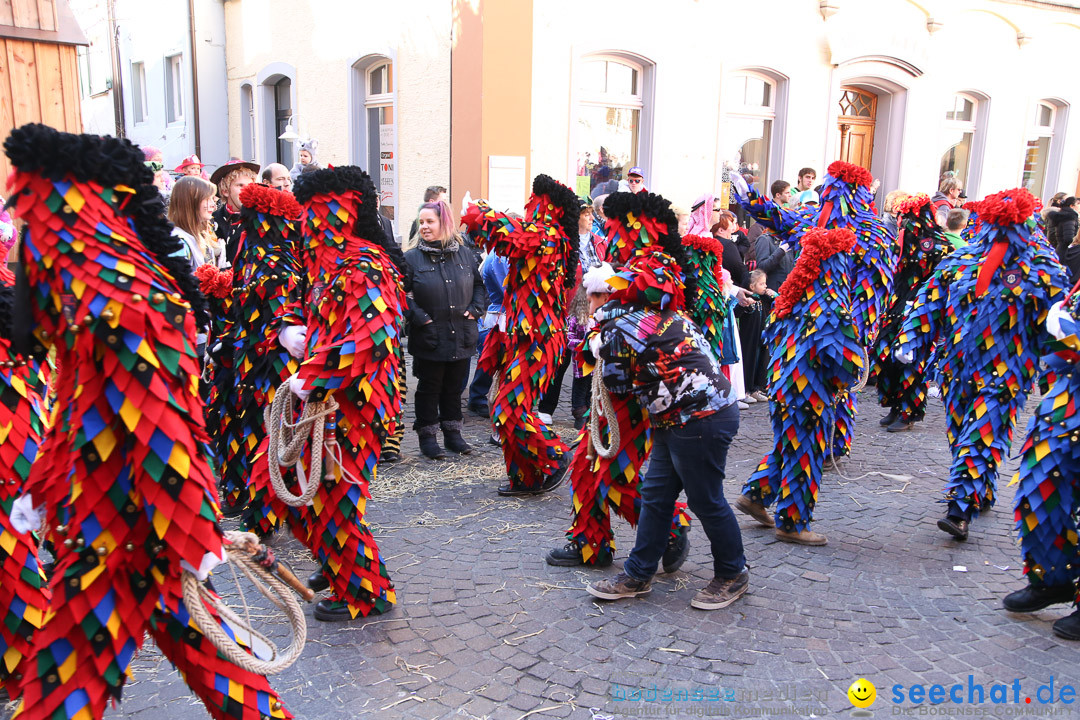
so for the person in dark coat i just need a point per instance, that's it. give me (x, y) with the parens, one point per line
(1061, 226)
(774, 258)
(724, 231)
(447, 297)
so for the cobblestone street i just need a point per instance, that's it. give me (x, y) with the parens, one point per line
(486, 629)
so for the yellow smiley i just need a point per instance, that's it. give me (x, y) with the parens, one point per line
(862, 693)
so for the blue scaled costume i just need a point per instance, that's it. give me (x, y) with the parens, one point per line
(985, 308)
(1047, 500)
(815, 355)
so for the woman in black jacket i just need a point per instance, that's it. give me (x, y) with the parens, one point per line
(1061, 226)
(446, 299)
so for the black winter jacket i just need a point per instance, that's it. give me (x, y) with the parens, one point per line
(1061, 228)
(444, 287)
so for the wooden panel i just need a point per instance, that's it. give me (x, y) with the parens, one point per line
(50, 85)
(6, 15)
(7, 119)
(26, 14)
(69, 74)
(46, 14)
(24, 93)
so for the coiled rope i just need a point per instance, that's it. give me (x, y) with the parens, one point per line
(601, 402)
(242, 550)
(287, 440)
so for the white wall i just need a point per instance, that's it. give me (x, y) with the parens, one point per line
(321, 41)
(695, 45)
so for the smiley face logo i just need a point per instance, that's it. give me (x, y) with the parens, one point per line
(862, 693)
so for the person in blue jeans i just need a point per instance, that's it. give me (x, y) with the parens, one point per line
(493, 272)
(646, 346)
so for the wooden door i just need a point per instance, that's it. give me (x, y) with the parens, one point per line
(858, 115)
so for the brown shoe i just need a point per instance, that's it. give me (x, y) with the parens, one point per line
(803, 537)
(755, 510)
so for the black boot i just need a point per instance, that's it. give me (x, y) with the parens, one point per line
(451, 430)
(579, 417)
(889, 419)
(956, 521)
(1038, 596)
(1068, 627)
(429, 442)
(317, 581)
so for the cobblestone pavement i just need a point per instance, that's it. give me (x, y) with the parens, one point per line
(485, 629)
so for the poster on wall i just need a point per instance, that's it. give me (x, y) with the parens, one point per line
(507, 183)
(387, 170)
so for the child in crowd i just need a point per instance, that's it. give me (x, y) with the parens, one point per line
(752, 319)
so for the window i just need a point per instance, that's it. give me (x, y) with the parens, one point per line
(283, 115)
(382, 135)
(138, 92)
(750, 107)
(958, 138)
(174, 88)
(1037, 153)
(95, 70)
(608, 120)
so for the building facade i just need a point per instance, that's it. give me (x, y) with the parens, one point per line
(369, 81)
(156, 73)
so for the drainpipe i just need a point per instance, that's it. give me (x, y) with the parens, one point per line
(117, 70)
(194, 80)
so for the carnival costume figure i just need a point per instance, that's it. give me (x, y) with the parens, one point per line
(985, 306)
(815, 356)
(902, 387)
(264, 337)
(24, 595)
(354, 308)
(523, 354)
(123, 475)
(638, 223)
(1047, 500)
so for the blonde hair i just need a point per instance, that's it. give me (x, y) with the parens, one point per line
(893, 198)
(225, 184)
(447, 233)
(188, 195)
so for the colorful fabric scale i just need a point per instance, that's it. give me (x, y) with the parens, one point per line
(712, 308)
(815, 356)
(354, 315)
(985, 307)
(901, 386)
(600, 486)
(24, 595)
(523, 357)
(1047, 500)
(124, 472)
(266, 292)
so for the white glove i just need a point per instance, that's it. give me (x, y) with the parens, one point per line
(294, 339)
(595, 343)
(297, 387)
(1053, 320)
(904, 357)
(24, 516)
(208, 563)
(740, 183)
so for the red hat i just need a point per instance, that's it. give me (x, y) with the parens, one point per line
(188, 162)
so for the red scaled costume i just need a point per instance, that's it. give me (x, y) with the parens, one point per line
(24, 597)
(523, 357)
(124, 472)
(354, 303)
(636, 223)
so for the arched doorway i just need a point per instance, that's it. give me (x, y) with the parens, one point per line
(856, 123)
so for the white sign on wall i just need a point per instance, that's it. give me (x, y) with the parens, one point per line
(507, 184)
(387, 166)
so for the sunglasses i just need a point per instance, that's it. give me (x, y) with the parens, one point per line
(633, 181)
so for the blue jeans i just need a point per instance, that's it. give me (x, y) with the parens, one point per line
(690, 457)
(481, 382)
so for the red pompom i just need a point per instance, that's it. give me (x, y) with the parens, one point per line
(270, 201)
(704, 244)
(912, 204)
(816, 246)
(1008, 207)
(851, 174)
(213, 282)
